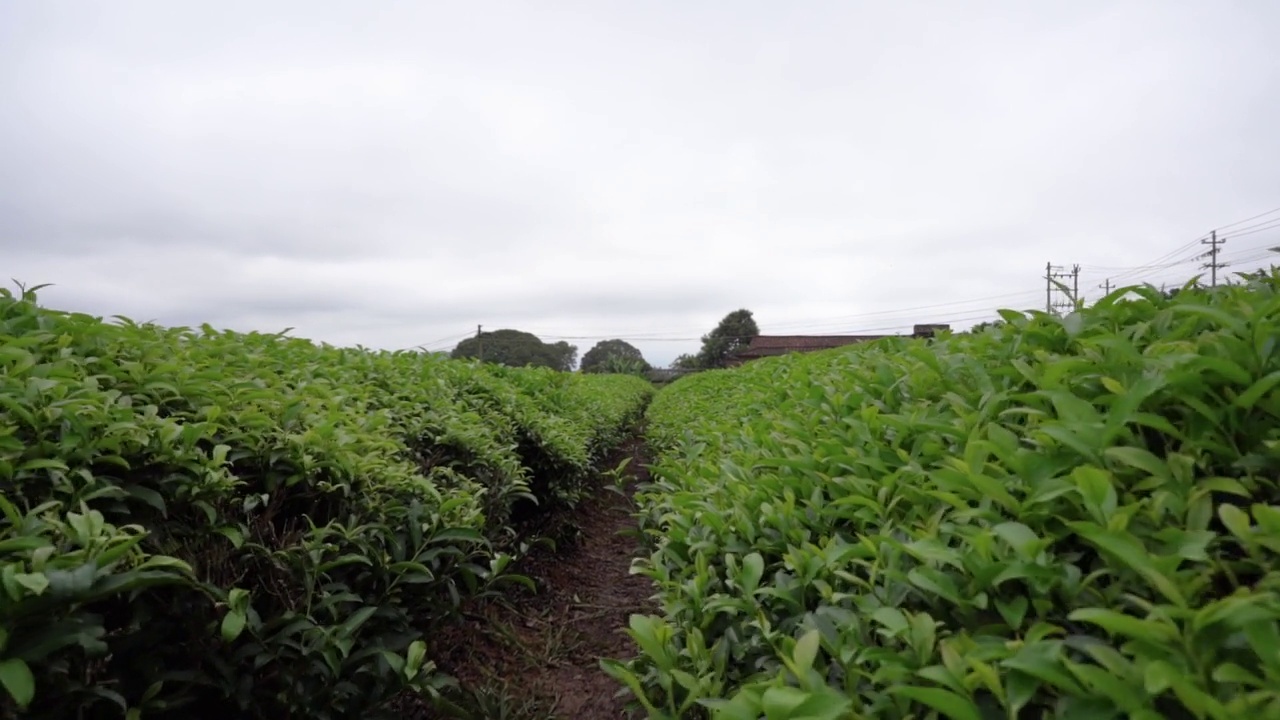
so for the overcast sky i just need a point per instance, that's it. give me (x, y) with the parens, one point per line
(393, 174)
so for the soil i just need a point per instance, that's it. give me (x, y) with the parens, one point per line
(536, 656)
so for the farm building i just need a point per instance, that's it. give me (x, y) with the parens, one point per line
(769, 345)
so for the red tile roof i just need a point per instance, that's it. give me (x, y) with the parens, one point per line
(765, 345)
(807, 342)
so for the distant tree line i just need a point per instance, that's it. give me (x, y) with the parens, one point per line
(734, 333)
(614, 356)
(520, 349)
(517, 349)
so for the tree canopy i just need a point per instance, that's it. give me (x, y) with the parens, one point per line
(614, 356)
(517, 349)
(685, 362)
(734, 333)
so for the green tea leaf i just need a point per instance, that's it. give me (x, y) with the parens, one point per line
(232, 625)
(1095, 486)
(1013, 611)
(752, 571)
(18, 680)
(1236, 520)
(806, 650)
(1120, 624)
(415, 656)
(1139, 458)
(1258, 390)
(1020, 537)
(1043, 660)
(946, 702)
(1125, 548)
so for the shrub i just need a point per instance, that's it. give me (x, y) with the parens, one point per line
(214, 524)
(1056, 517)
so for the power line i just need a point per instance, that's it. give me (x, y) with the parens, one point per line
(1272, 211)
(1160, 262)
(1265, 224)
(1150, 272)
(809, 324)
(1117, 268)
(1265, 248)
(1258, 229)
(428, 345)
(957, 303)
(1240, 262)
(1164, 261)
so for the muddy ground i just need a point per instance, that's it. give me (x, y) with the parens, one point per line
(536, 656)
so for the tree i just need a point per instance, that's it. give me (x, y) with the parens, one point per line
(733, 333)
(562, 356)
(987, 324)
(517, 349)
(613, 355)
(685, 361)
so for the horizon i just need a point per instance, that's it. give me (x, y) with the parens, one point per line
(393, 177)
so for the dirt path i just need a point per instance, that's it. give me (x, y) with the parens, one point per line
(536, 656)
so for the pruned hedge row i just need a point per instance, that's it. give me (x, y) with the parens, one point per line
(212, 524)
(1069, 517)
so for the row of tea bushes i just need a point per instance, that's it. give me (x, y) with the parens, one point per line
(1071, 517)
(211, 524)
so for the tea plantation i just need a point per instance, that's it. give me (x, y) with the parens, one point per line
(211, 524)
(1053, 518)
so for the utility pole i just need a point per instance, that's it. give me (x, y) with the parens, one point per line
(1213, 242)
(1052, 272)
(480, 343)
(1049, 267)
(1106, 287)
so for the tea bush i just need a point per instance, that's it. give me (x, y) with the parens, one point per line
(213, 524)
(1069, 517)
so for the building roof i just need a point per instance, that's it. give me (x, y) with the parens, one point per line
(807, 342)
(762, 345)
(766, 345)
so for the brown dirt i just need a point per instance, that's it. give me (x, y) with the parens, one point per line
(536, 656)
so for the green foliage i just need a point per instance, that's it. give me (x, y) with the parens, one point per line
(614, 356)
(515, 348)
(732, 334)
(685, 361)
(1071, 517)
(980, 327)
(213, 524)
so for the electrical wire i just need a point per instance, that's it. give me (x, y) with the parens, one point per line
(1152, 272)
(1257, 229)
(808, 324)
(1137, 270)
(1164, 262)
(428, 345)
(1272, 211)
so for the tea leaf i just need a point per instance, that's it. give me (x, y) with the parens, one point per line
(18, 680)
(232, 625)
(1258, 390)
(946, 702)
(1236, 520)
(752, 571)
(1126, 625)
(806, 650)
(1123, 547)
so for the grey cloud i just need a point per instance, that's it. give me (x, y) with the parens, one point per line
(394, 173)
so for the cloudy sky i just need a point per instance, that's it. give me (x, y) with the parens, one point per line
(393, 174)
